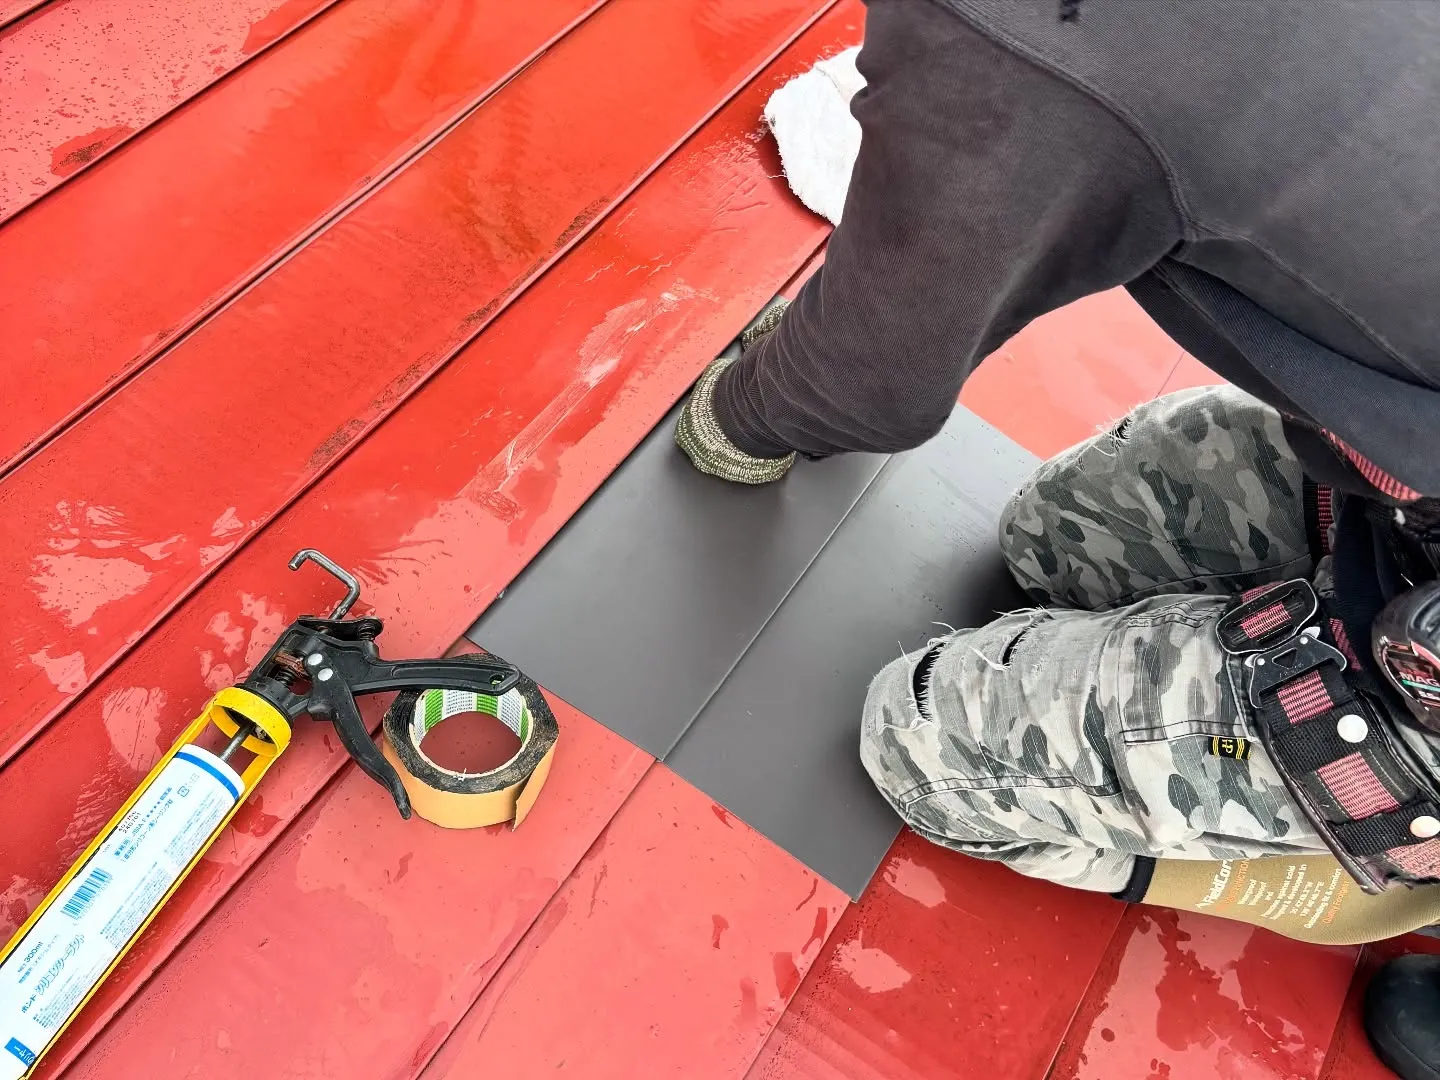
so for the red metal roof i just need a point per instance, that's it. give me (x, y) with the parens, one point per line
(406, 281)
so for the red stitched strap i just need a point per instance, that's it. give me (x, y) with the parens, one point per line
(1324, 515)
(1342, 642)
(1419, 860)
(1304, 698)
(1265, 621)
(1353, 784)
(1374, 475)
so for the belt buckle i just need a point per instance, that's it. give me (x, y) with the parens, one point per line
(1251, 625)
(1243, 632)
(1296, 656)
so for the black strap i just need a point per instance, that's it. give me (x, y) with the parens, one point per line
(1357, 598)
(1378, 833)
(1139, 883)
(1309, 747)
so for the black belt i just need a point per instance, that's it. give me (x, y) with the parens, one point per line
(1331, 740)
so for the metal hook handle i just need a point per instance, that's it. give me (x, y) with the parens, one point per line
(352, 584)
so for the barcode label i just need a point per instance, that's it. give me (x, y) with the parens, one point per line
(66, 952)
(90, 888)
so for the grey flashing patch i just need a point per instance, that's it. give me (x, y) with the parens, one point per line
(733, 631)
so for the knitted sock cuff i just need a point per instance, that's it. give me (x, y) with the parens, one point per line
(699, 434)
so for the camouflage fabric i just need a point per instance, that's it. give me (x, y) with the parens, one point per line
(1194, 493)
(1066, 740)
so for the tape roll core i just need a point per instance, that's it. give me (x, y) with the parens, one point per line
(459, 800)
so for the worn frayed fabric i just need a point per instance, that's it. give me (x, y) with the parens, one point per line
(817, 137)
(1065, 741)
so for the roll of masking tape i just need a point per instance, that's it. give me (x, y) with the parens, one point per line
(461, 800)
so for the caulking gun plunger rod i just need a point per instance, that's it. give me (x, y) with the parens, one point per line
(243, 732)
(352, 593)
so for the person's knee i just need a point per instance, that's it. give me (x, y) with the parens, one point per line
(1082, 526)
(1031, 535)
(1045, 520)
(890, 718)
(1167, 432)
(913, 727)
(1020, 517)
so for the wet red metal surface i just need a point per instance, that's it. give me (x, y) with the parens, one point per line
(670, 952)
(361, 940)
(83, 75)
(321, 922)
(314, 355)
(947, 967)
(443, 504)
(199, 206)
(1186, 997)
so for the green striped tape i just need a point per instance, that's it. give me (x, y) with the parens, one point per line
(436, 706)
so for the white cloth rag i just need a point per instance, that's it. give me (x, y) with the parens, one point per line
(817, 136)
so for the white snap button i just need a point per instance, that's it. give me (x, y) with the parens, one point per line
(1399, 517)
(1352, 728)
(1425, 827)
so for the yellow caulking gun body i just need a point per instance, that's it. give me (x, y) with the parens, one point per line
(82, 930)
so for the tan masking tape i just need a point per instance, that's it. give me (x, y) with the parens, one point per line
(457, 800)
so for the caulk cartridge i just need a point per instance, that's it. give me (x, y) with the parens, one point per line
(85, 926)
(318, 666)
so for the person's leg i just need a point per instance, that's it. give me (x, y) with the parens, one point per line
(1065, 743)
(1195, 492)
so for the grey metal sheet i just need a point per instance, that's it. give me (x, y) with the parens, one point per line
(778, 743)
(638, 609)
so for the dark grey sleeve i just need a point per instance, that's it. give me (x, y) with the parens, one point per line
(987, 192)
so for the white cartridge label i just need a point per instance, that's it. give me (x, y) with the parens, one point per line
(67, 951)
